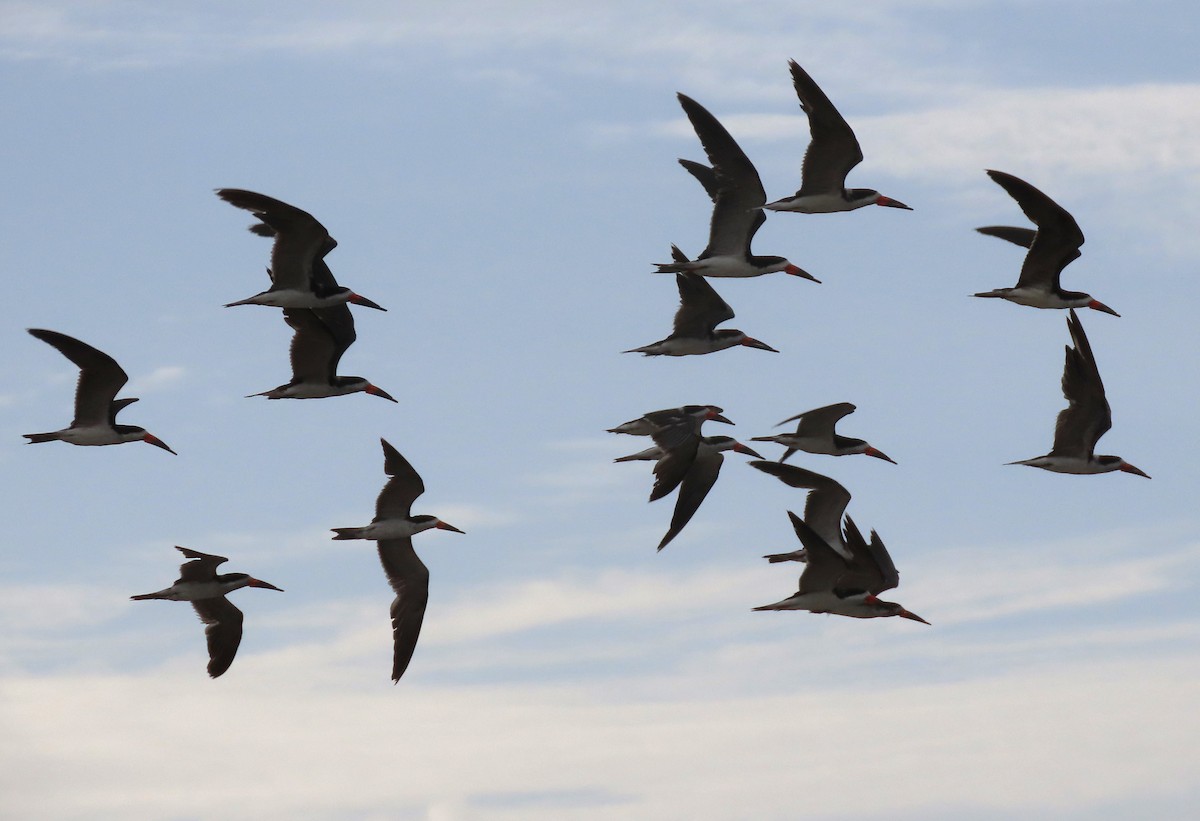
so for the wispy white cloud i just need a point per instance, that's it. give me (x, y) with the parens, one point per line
(326, 747)
(161, 378)
(1046, 132)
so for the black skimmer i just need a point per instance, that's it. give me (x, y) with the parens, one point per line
(654, 453)
(1086, 418)
(691, 463)
(833, 583)
(1053, 247)
(96, 408)
(815, 434)
(823, 510)
(648, 423)
(701, 309)
(301, 244)
(200, 584)
(321, 336)
(832, 153)
(737, 207)
(393, 528)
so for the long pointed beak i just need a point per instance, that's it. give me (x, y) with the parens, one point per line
(716, 417)
(738, 447)
(754, 343)
(913, 616)
(158, 443)
(366, 303)
(888, 202)
(380, 392)
(800, 272)
(444, 526)
(267, 585)
(1100, 306)
(878, 454)
(1128, 468)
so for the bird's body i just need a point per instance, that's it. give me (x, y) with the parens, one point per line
(815, 434)
(648, 423)
(654, 453)
(1086, 418)
(738, 196)
(301, 243)
(200, 584)
(695, 332)
(1052, 247)
(321, 336)
(840, 584)
(392, 528)
(832, 153)
(96, 405)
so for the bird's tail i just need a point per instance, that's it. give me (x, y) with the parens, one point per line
(999, 293)
(348, 533)
(39, 437)
(674, 267)
(794, 556)
(144, 596)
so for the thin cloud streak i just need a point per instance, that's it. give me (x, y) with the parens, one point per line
(985, 744)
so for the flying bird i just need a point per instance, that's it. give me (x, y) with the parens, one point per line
(823, 510)
(832, 153)
(815, 434)
(691, 463)
(301, 244)
(737, 207)
(96, 405)
(321, 336)
(648, 423)
(1052, 247)
(200, 584)
(393, 528)
(1086, 418)
(701, 309)
(833, 583)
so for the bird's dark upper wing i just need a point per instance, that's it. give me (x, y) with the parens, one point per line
(203, 567)
(396, 498)
(409, 577)
(117, 406)
(820, 422)
(223, 631)
(737, 212)
(701, 308)
(824, 565)
(826, 503)
(299, 238)
(100, 377)
(834, 150)
(679, 443)
(697, 482)
(1057, 240)
(314, 351)
(870, 569)
(705, 176)
(1087, 416)
(1017, 236)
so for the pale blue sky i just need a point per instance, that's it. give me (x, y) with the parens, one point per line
(502, 176)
